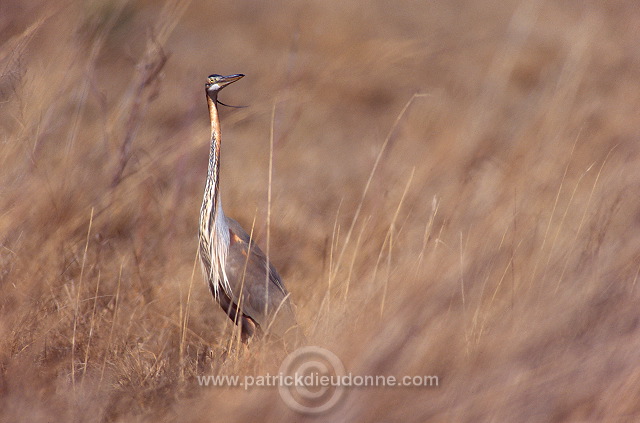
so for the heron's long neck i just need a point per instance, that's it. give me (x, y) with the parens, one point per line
(211, 203)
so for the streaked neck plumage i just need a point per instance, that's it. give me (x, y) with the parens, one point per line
(213, 226)
(213, 173)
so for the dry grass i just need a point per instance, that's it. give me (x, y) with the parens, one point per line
(491, 238)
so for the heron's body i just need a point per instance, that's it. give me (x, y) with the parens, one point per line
(241, 279)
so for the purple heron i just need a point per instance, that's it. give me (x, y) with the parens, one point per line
(242, 280)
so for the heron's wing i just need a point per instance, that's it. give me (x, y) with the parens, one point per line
(256, 253)
(265, 301)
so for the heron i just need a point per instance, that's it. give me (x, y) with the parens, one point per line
(239, 275)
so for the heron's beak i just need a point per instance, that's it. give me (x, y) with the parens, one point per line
(226, 80)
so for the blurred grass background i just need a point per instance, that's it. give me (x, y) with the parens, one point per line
(483, 230)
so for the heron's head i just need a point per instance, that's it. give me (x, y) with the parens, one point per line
(217, 82)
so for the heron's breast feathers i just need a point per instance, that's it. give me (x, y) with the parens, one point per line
(214, 249)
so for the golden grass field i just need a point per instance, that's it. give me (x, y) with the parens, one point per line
(454, 192)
